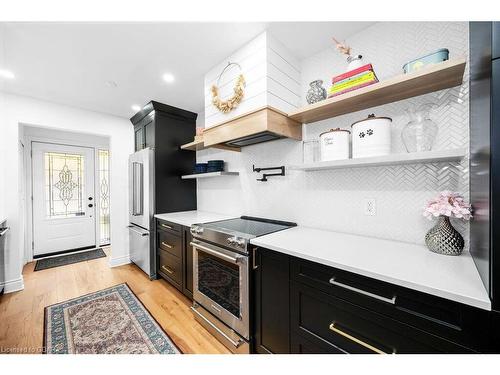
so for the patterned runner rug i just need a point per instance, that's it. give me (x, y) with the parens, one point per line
(63, 260)
(109, 321)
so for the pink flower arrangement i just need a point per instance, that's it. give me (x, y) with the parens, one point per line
(450, 204)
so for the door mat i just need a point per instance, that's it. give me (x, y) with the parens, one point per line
(64, 260)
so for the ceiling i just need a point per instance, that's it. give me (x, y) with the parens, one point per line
(74, 63)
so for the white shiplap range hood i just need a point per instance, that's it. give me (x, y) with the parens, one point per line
(272, 90)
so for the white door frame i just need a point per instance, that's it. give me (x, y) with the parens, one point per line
(28, 246)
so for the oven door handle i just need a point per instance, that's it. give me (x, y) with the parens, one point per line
(215, 253)
(4, 230)
(236, 344)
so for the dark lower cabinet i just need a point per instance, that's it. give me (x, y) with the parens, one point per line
(175, 256)
(301, 344)
(344, 327)
(271, 276)
(305, 307)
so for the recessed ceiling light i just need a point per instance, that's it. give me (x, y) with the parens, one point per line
(168, 77)
(111, 84)
(136, 108)
(6, 74)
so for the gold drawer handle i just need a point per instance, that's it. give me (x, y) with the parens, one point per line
(166, 226)
(167, 269)
(167, 245)
(356, 340)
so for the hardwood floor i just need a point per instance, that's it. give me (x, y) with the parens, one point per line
(21, 313)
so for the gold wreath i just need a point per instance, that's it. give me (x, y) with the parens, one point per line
(226, 106)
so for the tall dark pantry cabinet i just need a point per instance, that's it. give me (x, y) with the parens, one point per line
(163, 128)
(485, 158)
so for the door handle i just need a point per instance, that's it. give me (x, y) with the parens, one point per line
(215, 253)
(254, 255)
(90, 198)
(392, 300)
(167, 245)
(130, 227)
(167, 269)
(91, 205)
(236, 344)
(355, 339)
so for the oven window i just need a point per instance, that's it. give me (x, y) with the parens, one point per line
(219, 281)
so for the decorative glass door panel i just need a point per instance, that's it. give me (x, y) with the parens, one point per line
(65, 184)
(63, 198)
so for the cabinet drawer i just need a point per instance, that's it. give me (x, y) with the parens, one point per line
(163, 225)
(171, 267)
(453, 321)
(170, 242)
(321, 317)
(299, 344)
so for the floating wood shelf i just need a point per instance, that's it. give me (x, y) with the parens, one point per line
(392, 159)
(199, 145)
(209, 174)
(433, 78)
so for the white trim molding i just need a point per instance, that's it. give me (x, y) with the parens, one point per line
(119, 261)
(15, 285)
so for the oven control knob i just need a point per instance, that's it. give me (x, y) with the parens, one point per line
(231, 240)
(199, 230)
(192, 230)
(240, 242)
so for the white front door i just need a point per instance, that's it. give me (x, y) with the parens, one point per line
(63, 198)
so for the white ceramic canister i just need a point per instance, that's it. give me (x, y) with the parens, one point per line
(334, 144)
(371, 137)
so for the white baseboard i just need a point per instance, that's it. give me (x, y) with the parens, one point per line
(15, 285)
(119, 261)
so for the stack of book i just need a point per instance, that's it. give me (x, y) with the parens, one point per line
(353, 80)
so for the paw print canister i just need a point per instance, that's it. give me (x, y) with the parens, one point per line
(334, 144)
(371, 137)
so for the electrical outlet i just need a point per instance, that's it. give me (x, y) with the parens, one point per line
(370, 207)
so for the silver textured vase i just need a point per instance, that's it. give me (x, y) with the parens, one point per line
(444, 239)
(316, 92)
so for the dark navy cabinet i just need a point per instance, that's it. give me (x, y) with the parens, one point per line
(175, 255)
(485, 153)
(271, 274)
(496, 40)
(298, 309)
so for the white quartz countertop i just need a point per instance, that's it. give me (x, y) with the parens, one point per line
(413, 266)
(188, 218)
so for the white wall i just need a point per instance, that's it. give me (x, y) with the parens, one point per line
(334, 200)
(28, 111)
(2, 152)
(2, 116)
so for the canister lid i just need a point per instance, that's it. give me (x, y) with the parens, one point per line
(371, 117)
(336, 130)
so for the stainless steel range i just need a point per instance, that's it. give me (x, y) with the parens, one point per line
(222, 255)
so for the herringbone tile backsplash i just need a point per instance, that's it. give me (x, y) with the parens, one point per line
(334, 199)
